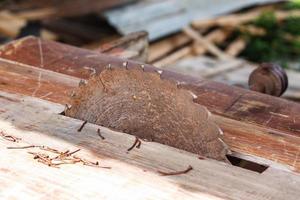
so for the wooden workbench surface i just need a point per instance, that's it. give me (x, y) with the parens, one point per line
(131, 175)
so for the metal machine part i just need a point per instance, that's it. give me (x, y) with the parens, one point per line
(269, 79)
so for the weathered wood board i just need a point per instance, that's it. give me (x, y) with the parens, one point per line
(36, 82)
(132, 174)
(41, 9)
(135, 43)
(254, 124)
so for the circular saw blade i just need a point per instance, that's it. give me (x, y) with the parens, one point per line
(142, 104)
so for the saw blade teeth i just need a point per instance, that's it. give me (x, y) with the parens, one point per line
(93, 74)
(193, 95)
(73, 94)
(108, 67)
(125, 64)
(228, 151)
(67, 107)
(143, 67)
(221, 132)
(82, 82)
(159, 72)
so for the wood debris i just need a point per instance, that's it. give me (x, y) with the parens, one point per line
(100, 135)
(176, 172)
(137, 143)
(10, 138)
(81, 127)
(59, 157)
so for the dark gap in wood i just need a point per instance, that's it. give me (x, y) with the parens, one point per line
(246, 164)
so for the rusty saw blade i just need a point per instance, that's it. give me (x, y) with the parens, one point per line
(142, 104)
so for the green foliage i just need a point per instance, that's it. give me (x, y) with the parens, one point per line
(294, 4)
(266, 20)
(281, 43)
(292, 26)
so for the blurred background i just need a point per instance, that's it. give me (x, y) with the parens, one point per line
(222, 40)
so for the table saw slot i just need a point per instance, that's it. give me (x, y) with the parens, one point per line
(246, 164)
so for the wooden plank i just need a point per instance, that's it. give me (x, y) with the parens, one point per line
(10, 25)
(15, 77)
(41, 9)
(274, 121)
(132, 174)
(36, 82)
(216, 36)
(178, 54)
(206, 67)
(236, 47)
(136, 42)
(211, 47)
(234, 20)
(160, 48)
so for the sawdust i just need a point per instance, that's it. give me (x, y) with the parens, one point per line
(142, 104)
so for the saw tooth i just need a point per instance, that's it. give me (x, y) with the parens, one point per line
(73, 94)
(108, 67)
(179, 84)
(82, 82)
(159, 72)
(193, 95)
(143, 67)
(68, 106)
(125, 64)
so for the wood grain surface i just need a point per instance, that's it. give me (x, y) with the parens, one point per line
(131, 174)
(254, 123)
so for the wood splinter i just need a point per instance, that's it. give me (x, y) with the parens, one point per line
(82, 125)
(100, 135)
(23, 147)
(201, 157)
(66, 157)
(176, 173)
(9, 137)
(137, 143)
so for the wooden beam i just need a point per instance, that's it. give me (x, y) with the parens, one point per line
(163, 47)
(235, 47)
(175, 56)
(136, 42)
(254, 123)
(10, 25)
(234, 20)
(211, 47)
(216, 36)
(43, 9)
(131, 174)
(37, 82)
